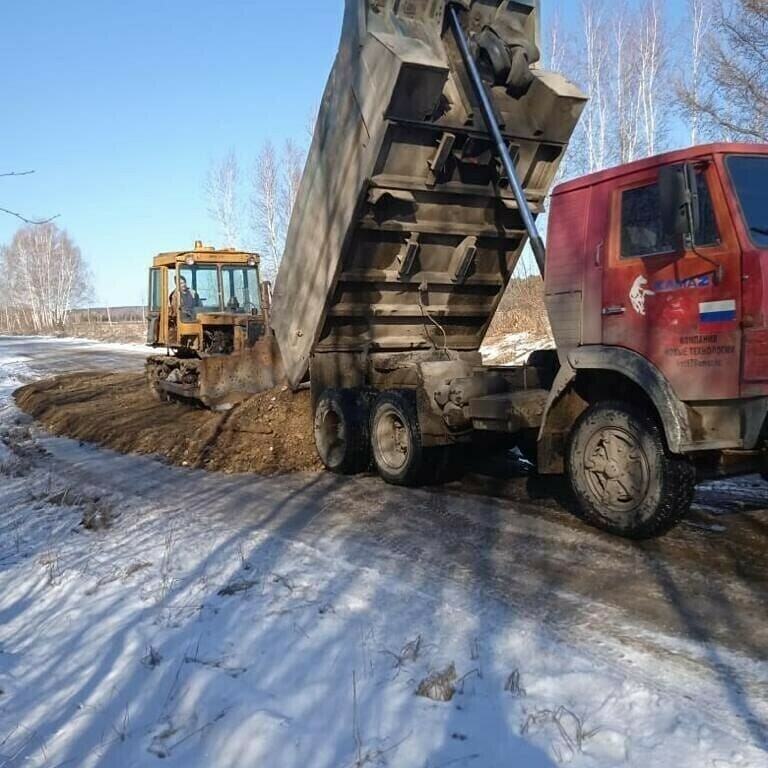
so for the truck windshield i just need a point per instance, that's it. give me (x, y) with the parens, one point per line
(241, 289)
(750, 179)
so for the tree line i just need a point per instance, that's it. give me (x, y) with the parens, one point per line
(252, 208)
(656, 80)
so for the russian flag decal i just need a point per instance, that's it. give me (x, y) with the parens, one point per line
(717, 311)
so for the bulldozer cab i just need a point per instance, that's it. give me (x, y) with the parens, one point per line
(210, 311)
(197, 295)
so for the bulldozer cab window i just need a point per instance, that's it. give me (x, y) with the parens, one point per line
(155, 290)
(198, 291)
(642, 231)
(241, 289)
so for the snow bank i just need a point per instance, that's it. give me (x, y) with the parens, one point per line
(14, 372)
(63, 341)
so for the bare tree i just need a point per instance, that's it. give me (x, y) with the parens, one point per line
(294, 158)
(222, 192)
(619, 54)
(625, 83)
(266, 220)
(276, 179)
(652, 57)
(555, 45)
(731, 99)
(270, 194)
(594, 63)
(45, 274)
(19, 216)
(699, 24)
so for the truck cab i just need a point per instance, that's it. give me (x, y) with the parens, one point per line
(657, 290)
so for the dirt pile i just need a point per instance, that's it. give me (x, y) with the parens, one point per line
(270, 433)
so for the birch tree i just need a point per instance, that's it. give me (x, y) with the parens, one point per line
(293, 168)
(731, 98)
(45, 274)
(699, 27)
(618, 53)
(595, 120)
(624, 83)
(276, 179)
(267, 222)
(652, 54)
(222, 190)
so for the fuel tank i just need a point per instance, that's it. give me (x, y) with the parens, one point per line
(405, 233)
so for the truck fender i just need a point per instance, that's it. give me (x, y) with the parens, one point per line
(671, 409)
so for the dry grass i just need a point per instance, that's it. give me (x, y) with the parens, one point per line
(439, 685)
(522, 309)
(127, 332)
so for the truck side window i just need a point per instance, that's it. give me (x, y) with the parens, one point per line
(641, 228)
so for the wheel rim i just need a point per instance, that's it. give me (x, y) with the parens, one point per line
(329, 435)
(393, 439)
(617, 469)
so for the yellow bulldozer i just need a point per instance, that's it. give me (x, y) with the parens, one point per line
(209, 309)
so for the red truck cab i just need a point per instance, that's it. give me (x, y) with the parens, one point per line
(657, 289)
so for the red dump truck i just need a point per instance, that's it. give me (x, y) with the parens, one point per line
(437, 143)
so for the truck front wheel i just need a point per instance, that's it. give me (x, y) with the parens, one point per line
(396, 438)
(624, 480)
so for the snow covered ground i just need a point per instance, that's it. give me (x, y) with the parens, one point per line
(150, 615)
(513, 348)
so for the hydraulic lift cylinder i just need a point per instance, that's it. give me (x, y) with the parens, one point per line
(489, 115)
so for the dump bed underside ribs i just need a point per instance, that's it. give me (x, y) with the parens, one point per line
(433, 248)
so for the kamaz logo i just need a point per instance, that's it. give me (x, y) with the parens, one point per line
(665, 286)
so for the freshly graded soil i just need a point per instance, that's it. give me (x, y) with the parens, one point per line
(269, 434)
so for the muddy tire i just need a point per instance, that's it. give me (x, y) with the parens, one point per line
(396, 438)
(341, 431)
(622, 476)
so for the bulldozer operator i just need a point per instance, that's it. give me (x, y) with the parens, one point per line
(188, 299)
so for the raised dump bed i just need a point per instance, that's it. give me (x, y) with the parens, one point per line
(405, 232)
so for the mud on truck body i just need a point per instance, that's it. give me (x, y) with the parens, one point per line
(218, 342)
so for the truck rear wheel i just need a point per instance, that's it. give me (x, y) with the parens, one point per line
(624, 480)
(396, 438)
(341, 431)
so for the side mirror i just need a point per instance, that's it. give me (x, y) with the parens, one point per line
(679, 200)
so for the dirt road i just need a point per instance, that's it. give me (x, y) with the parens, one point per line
(694, 604)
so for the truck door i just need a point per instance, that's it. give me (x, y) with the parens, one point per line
(676, 303)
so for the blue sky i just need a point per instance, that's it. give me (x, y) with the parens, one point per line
(121, 106)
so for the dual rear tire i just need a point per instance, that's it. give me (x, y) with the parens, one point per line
(357, 429)
(342, 431)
